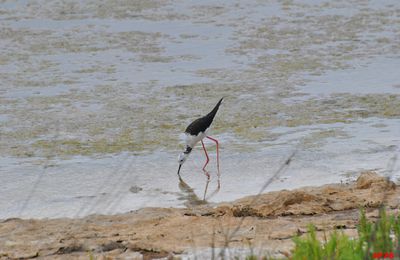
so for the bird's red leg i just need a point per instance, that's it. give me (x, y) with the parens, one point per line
(207, 160)
(216, 142)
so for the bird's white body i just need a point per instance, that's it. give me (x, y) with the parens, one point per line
(192, 140)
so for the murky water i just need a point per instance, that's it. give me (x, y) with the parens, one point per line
(94, 97)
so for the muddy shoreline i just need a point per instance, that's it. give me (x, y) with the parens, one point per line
(266, 224)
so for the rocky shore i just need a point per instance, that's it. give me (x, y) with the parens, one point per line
(266, 222)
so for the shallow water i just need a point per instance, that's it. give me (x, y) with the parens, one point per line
(94, 97)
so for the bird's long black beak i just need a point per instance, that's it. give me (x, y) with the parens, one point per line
(180, 165)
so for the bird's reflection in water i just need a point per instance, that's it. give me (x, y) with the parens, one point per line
(190, 196)
(205, 197)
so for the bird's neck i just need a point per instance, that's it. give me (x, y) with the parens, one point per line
(188, 150)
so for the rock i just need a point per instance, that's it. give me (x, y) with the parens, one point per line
(371, 179)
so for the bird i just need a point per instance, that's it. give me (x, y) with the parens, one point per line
(196, 132)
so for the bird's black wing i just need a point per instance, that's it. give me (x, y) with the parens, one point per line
(199, 125)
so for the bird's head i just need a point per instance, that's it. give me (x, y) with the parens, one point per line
(181, 159)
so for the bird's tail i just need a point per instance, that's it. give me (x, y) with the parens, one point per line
(214, 111)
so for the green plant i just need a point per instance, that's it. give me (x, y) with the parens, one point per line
(375, 240)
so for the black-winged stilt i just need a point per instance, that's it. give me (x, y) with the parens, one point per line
(195, 133)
